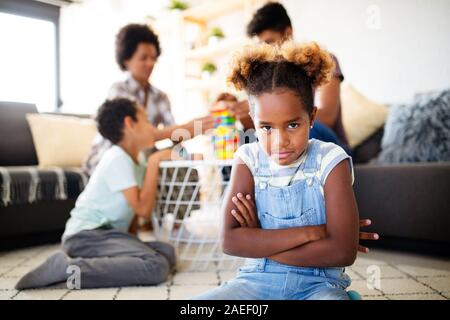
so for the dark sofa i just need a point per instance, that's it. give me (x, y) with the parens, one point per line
(409, 204)
(25, 221)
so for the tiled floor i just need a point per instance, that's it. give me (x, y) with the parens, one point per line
(402, 276)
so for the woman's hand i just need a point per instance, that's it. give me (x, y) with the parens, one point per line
(366, 235)
(245, 213)
(200, 125)
(241, 110)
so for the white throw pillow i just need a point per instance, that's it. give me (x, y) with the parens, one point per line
(360, 116)
(62, 141)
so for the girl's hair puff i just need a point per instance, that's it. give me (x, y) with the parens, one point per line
(298, 67)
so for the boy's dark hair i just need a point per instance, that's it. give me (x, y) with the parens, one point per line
(271, 16)
(128, 39)
(264, 68)
(110, 117)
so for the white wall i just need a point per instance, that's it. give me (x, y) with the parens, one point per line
(388, 60)
(405, 52)
(88, 30)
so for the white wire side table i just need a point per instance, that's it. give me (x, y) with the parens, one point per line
(187, 212)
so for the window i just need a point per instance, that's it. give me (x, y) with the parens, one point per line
(29, 56)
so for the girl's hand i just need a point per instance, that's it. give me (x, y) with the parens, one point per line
(366, 235)
(246, 213)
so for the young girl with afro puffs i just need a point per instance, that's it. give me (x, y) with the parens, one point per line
(290, 207)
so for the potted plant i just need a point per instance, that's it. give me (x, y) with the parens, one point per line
(177, 5)
(208, 68)
(215, 35)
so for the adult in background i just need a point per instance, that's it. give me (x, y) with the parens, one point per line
(137, 51)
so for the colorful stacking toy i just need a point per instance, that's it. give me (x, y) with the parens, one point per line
(225, 134)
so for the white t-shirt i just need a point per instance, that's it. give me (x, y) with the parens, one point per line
(102, 201)
(328, 155)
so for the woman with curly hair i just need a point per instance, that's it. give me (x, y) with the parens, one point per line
(290, 208)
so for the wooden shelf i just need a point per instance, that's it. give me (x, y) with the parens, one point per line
(211, 51)
(212, 9)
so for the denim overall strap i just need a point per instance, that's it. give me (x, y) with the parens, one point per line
(312, 164)
(262, 170)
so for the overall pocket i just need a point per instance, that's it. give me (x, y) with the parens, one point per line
(281, 202)
(284, 207)
(305, 218)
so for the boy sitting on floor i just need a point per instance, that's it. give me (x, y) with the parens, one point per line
(96, 238)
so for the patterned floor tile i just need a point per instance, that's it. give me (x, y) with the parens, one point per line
(363, 289)
(4, 270)
(195, 278)
(441, 284)
(386, 271)
(432, 274)
(405, 286)
(374, 298)
(366, 260)
(189, 266)
(417, 296)
(35, 261)
(16, 272)
(41, 294)
(11, 261)
(7, 283)
(7, 294)
(418, 271)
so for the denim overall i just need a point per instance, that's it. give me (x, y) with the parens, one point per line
(298, 204)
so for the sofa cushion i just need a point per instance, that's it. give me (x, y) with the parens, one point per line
(419, 131)
(63, 141)
(16, 142)
(29, 184)
(361, 117)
